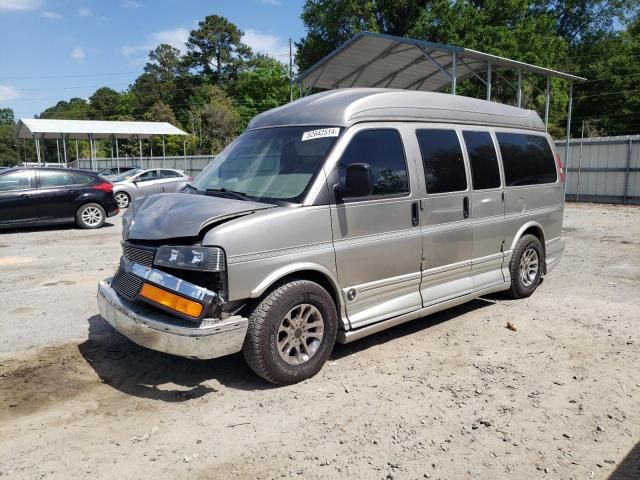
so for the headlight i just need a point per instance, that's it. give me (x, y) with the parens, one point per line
(208, 259)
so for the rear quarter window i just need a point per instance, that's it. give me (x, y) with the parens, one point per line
(527, 159)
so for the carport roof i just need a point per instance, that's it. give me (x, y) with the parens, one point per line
(84, 129)
(376, 60)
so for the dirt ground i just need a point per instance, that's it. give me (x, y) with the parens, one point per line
(453, 395)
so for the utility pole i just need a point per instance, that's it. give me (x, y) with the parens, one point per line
(290, 71)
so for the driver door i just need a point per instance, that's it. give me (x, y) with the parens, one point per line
(148, 183)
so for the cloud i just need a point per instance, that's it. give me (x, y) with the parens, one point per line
(266, 43)
(84, 12)
(131, 4)
(273, 3)
(51, 15)
(8, 92)
(77, 54)
(176, 38)
(19, 5)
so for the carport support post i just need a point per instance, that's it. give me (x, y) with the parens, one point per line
(64, 150)
(111, 150)
(140, 145)
(150, 162)
(488, 81)
(58, 149)
(519, 88)
(184, 152)
(117, 155)
(453, 74)
(164, 156)
(566, 146)
(547, 98)
(37, 144)
(626, 172)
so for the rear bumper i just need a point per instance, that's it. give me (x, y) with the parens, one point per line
(554, 250)
(154, 329)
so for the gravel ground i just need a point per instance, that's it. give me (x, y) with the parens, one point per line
(453, 395)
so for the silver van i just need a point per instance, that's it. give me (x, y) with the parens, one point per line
(335, 217)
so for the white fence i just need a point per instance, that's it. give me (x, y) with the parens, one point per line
(192, 164)
(602, 169)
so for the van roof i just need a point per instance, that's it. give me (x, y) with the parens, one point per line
(347, 106)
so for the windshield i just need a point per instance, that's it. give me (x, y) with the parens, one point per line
(270, 164)
(126, 175)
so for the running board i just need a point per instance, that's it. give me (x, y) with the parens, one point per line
(352, 335)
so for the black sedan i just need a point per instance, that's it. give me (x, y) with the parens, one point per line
(44, 196)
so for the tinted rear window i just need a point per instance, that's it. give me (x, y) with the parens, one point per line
(485, 172)
(442, 159)
(81, 178)
(527, 159)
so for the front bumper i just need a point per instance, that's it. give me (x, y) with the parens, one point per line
(164, 332)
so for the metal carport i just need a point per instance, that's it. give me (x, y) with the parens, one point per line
(377, 60)
(42, 129)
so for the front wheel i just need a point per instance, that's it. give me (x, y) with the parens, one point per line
(90, 215)
(526, 266)
(291, 332)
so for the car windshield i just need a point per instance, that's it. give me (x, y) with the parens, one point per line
(270, 164)
(125, 175)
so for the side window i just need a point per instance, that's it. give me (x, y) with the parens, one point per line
(442, 159)
(527, 159)
(81, 178)
(146, 176)
(485, 172)
(15, 181)
(54, 178)
(382, 149)
(170, 174)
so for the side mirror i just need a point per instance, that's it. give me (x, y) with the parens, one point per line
(359, 182)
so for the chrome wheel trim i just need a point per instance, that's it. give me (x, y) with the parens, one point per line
(122, 199)
(529, 265)
(300, 334)
(91, 216)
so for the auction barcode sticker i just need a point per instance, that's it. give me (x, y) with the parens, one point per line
(321, 133)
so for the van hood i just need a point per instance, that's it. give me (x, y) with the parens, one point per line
(175, 215)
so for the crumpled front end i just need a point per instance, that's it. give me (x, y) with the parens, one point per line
(163, 312)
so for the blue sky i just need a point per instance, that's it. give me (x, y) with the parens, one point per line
(53, 50)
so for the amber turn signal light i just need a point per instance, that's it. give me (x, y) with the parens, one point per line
(169, 300)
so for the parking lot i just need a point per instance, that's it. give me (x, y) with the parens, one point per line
(453, 395)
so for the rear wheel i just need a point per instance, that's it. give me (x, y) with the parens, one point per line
(90, 215)
(123, 199)
(526, 266)
(291, 332)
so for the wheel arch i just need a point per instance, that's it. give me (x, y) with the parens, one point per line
(535, 229)
(303, 271)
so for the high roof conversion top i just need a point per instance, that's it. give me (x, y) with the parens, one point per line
(347, 106)
(84, 129)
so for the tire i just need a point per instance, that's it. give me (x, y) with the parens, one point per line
(90, 216)
(291, 314)
(526, 266)
(123, 199)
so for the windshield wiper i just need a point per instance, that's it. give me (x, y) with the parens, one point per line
(223, 192)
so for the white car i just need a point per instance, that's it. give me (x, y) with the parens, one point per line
(137, 184)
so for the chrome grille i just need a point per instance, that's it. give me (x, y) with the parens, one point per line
(143, 256)
(126, 284)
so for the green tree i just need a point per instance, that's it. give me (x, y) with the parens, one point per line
(215, 123)
(7, 116)
(9, 152)
(216, 48)
(104, 104)
(74, 109)
(263, 86)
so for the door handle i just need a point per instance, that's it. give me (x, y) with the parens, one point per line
(26, 195)
(415, 214)
(465, 207)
